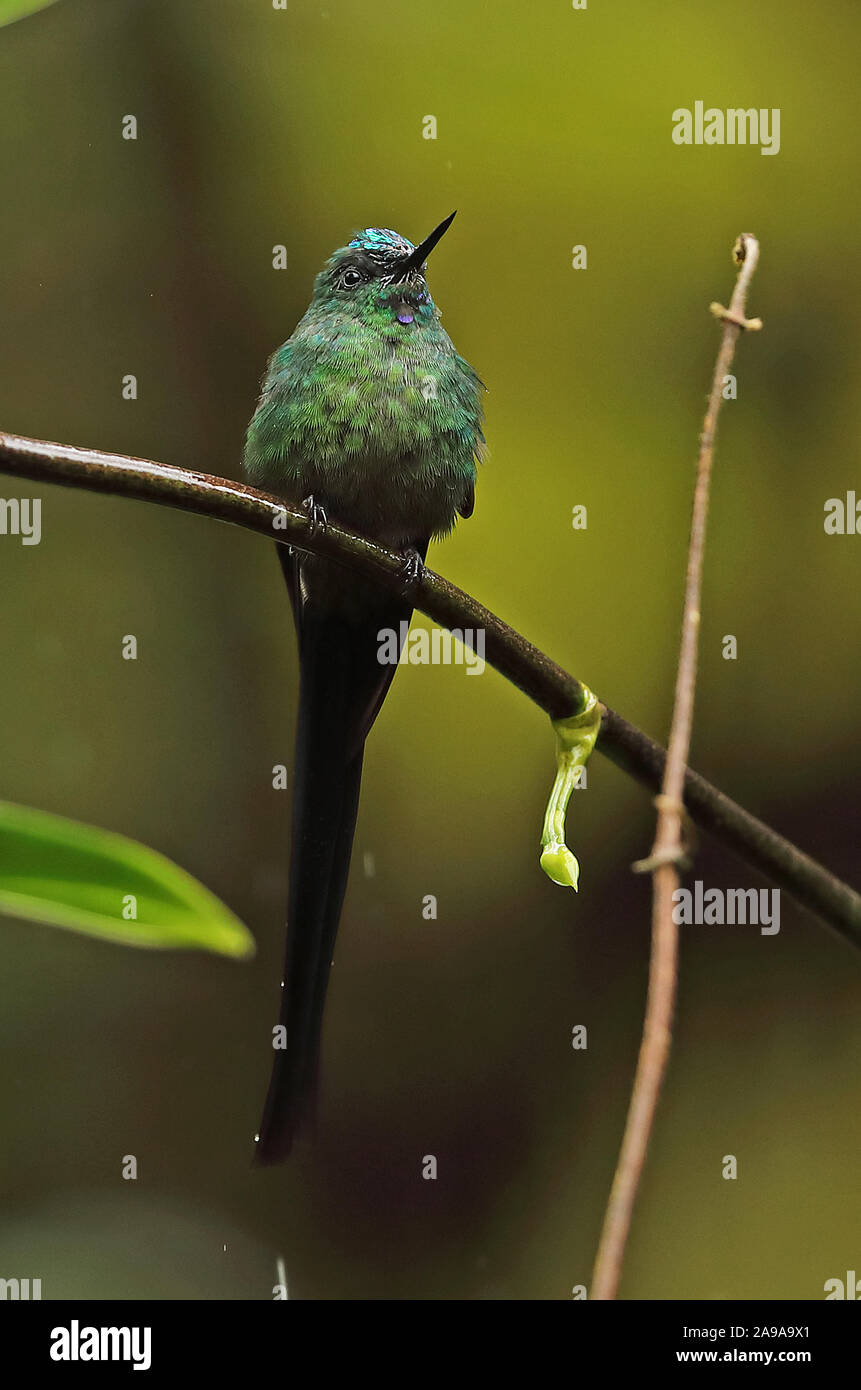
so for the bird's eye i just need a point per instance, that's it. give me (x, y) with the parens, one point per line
(351, 277)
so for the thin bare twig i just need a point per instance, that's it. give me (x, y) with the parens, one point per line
(668, 851)
(548, 685)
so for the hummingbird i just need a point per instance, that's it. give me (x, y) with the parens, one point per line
(368, 416)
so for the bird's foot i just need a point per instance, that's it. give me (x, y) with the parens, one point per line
(316, 514)
(412, 570)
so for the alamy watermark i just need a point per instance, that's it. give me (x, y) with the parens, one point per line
(836, 1288)
(843, 517)
(21, 516)
(77, 1343)
(439, 647)
(735, 126)
(707, 907)
(20, 1289)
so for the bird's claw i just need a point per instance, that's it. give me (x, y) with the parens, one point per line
(316, 515)
(412, 568)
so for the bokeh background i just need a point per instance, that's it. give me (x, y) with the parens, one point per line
(452, 1037)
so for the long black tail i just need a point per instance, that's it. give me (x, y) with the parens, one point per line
(342, 685)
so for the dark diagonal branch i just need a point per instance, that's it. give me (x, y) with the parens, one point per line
(548, 685)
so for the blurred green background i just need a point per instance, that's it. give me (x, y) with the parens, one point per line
(451, 1037)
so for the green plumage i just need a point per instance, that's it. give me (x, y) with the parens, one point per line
(378, 419)
(368, 412)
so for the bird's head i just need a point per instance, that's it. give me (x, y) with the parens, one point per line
(380, 272)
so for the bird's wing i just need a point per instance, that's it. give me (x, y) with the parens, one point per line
(467, 506)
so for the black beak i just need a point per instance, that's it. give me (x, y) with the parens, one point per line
(417, 257)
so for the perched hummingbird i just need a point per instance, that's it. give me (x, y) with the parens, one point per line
(369, 417)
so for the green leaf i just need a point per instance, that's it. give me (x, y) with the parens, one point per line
(70, 875)
(17, 9)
